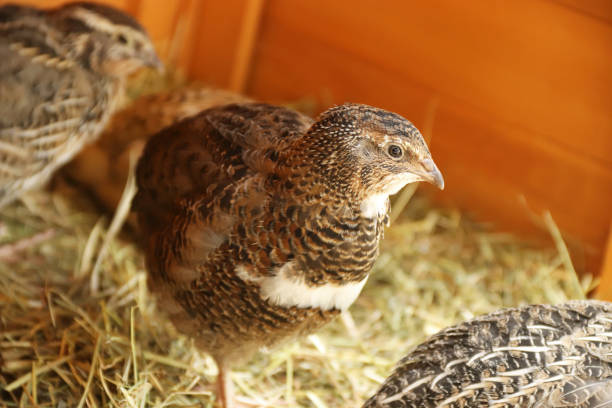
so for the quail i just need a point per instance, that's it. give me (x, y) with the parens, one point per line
(538, 356)
(262, 224)
(102, 168)
(62, 72)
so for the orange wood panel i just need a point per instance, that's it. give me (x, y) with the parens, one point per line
(524, 109)
(604, 291)
(501, 174)
(172, 26)
(546, 73)
(160, 19)
(217, 36)
(601, 9)
(127, 5)
(249, 28)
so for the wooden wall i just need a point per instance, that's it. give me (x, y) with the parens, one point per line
(515, 95)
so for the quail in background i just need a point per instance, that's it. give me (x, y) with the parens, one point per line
(61, 74)
(262, 225)
(102, 167)
(537, 356)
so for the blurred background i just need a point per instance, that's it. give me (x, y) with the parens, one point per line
(515, 96)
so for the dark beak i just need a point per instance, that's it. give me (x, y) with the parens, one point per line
(432, 174)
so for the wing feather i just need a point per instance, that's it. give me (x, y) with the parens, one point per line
(191, 171)
(201, 155)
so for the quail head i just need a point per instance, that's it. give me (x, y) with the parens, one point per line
(263, 225)
(537, 356)
(61, 75)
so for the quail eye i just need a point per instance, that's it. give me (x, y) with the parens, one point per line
(395, 151)
(122, 39)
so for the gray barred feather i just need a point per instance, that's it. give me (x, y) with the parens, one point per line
(537, 356)
(56, 95)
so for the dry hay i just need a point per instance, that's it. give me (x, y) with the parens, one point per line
(64, 344)
(79, 328)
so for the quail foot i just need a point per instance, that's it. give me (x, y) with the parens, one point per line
(262, 225)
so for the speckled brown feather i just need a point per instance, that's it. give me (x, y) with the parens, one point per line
(536, 356)
(56, 87)
(246, 192)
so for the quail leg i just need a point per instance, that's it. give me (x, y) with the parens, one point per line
(225, 388)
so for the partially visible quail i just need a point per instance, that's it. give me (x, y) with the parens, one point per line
(102, 167)
(263, 225)
(538, 356)
(61, 74)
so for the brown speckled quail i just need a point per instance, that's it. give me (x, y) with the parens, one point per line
(262, 224)
(61, 74)
(102, 167)
(537, 356)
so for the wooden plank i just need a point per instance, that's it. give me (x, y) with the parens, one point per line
(217, 36)
(490, 158)
(121, 4)
(173, 28)
(499, 173)
(159, 21)
(246, 41)
(604, 291)
(601, 9)
(547, 73)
